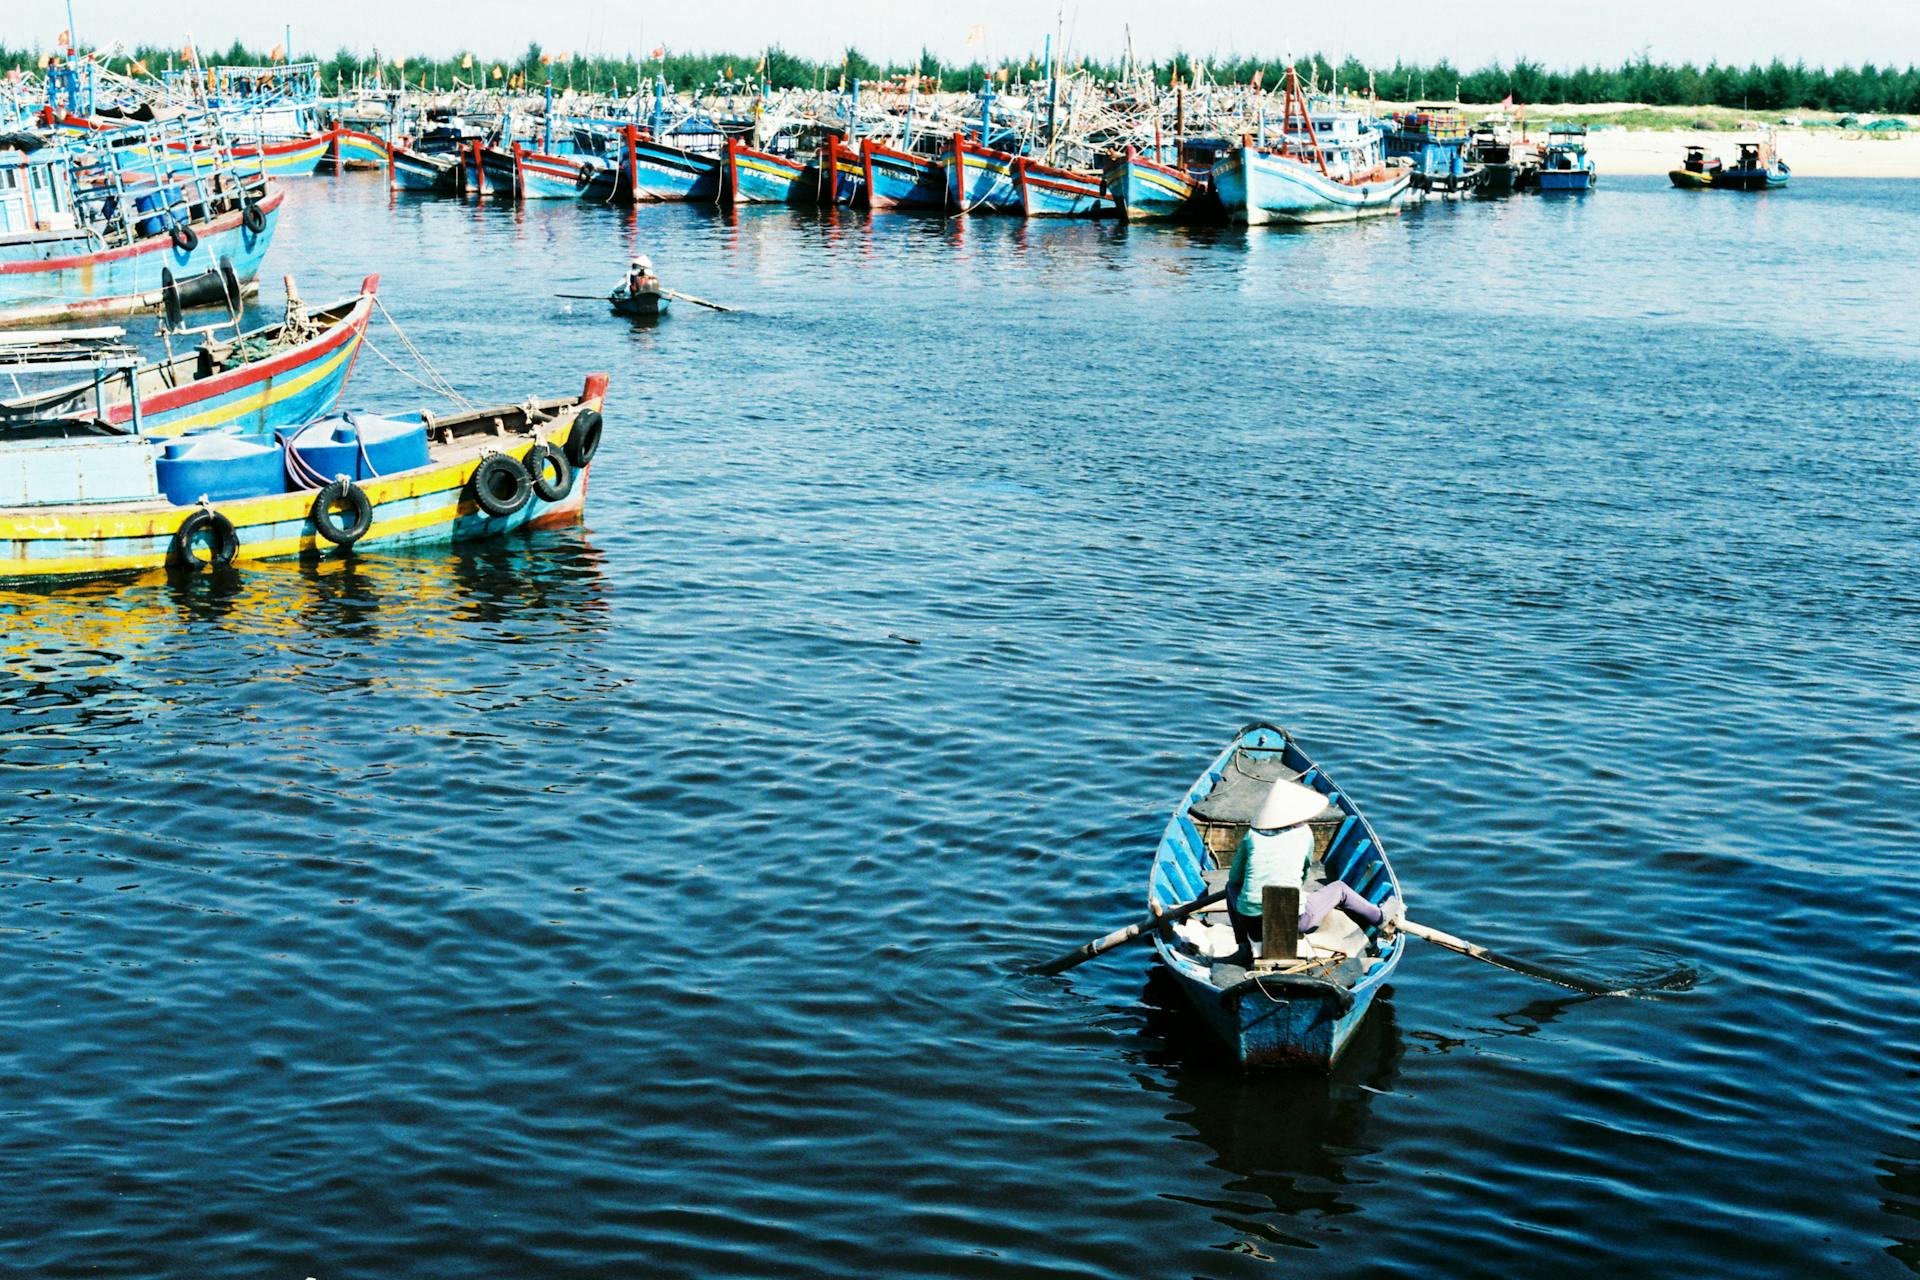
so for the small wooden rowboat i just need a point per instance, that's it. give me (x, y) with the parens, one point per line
(644, 305)
(1295, 1011)
(488, 471)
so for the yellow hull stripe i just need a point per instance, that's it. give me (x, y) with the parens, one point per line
(280, 389)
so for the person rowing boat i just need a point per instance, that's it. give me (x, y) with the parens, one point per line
(1278, 849)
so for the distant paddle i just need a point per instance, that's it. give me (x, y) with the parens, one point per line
(1121, 937)
(671, 293)
(698, 302)
(1546, 973)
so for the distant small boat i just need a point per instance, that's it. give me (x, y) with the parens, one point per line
(644, 305)
(1696, 171)
(1298, 1012)
(1758, 168)
(1564, 162)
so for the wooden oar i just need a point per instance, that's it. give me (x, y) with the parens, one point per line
(585, 297)
(1560, 977)
(1120, 937)
(698, 302)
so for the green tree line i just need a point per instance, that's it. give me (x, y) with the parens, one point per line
(1776, 86)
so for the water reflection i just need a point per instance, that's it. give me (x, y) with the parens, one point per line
(1287, 1143)
(1898, 1177)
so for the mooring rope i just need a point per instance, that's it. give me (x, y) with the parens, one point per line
(436, 383)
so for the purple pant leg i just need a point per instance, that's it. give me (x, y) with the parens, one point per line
(1320, 904)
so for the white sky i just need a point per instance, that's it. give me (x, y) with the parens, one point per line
(1560, 33)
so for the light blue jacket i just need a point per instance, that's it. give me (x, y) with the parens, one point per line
(1283, 858)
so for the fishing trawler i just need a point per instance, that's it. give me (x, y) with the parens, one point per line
(1326, 167)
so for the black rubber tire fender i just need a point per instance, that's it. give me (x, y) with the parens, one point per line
(540, 459)
(584, 440)
(252, 219)
(185, 238)
(223, 542)
(501, 485)
(328, 526)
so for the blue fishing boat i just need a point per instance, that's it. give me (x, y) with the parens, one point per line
(1436, 145)
(278, 375)
(1758, 167)
(660, 170)
(980, 179)
(1326, 167)
(95, 232)
(1146, 190)
(757, 175)
(1290, 1011)
(900, 179)
(1049, 191)
(435, 173)
(1564, 162)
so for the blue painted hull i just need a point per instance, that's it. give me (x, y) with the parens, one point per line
(434, 175)
(43, 281)
(1048, 192)
(901, 180)
(1259, 187)
(980, 180)
(1144, 191)
(760, 177)
(1268, 1020)
(663, 172)
(1566, 179)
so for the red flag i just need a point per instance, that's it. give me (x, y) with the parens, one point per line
(65, 41)
(660, 53)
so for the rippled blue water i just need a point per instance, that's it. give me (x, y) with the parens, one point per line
(637, 900)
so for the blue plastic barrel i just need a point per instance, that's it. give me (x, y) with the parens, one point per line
(219, 466)
(360, 445)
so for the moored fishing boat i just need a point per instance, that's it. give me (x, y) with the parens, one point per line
(1048, 191)
(843, 176)
(900, 179)
(274, 376)
(1144, 190)
(100, 243)
(1325, 168)
(1564, 162)
(1758, 167)
(754, 175)
(354, 149)
(435, 174)
(340, 483)
(1295, 1009)
(980, 179)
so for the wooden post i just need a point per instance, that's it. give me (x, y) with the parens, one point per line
(1279, 924)
(632, 165)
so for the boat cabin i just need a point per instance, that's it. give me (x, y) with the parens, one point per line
(36, 189)
(1698, 161)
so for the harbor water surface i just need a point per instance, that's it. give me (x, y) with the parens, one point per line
(650, 898)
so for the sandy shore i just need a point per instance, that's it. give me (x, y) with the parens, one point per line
(1821, 153)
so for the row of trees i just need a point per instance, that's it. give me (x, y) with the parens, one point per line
(1777, 86)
